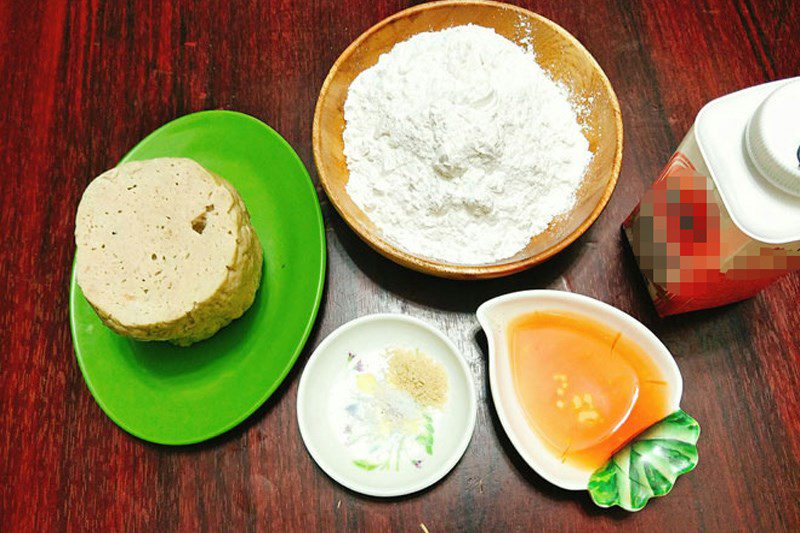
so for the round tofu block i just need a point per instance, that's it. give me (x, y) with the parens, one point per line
(165, 251)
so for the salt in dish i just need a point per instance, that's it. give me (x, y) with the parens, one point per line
(386, 405)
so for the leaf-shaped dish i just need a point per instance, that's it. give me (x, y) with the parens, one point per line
(495, 316)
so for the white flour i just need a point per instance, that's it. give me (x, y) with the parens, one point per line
(460, 147)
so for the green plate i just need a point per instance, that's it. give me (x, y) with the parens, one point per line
(171, 395)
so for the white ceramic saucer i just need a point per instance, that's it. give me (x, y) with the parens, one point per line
(369, 334)
(495, 315)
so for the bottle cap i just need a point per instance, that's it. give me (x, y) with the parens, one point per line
(768, 119)
(772, 138)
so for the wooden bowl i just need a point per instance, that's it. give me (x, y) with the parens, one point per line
(557, 52)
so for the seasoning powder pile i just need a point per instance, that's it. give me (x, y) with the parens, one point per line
(460, 147)
(419, 375)
(387, 407)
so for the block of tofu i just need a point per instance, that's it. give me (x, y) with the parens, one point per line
(165, 251)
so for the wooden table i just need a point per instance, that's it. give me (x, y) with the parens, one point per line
(82, 81)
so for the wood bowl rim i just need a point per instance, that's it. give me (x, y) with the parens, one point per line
(450, 270)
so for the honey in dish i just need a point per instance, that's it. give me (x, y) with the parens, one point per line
(584, 387)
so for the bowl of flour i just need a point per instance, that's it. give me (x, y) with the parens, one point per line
(467, 139)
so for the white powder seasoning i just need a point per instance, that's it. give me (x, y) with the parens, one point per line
(460, 147)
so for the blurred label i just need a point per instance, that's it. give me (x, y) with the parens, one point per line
(691, 253)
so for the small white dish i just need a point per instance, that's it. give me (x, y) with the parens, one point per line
(370, 334)
(494, 317)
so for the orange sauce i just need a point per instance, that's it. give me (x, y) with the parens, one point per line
(584, 387)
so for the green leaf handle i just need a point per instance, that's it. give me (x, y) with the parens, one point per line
(649, 465)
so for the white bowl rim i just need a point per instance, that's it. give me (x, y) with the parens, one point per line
(432, 477)
(534, 458)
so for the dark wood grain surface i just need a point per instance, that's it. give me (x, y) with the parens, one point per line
(82, 81)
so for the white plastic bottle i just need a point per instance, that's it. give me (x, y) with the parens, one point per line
(722, 220)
